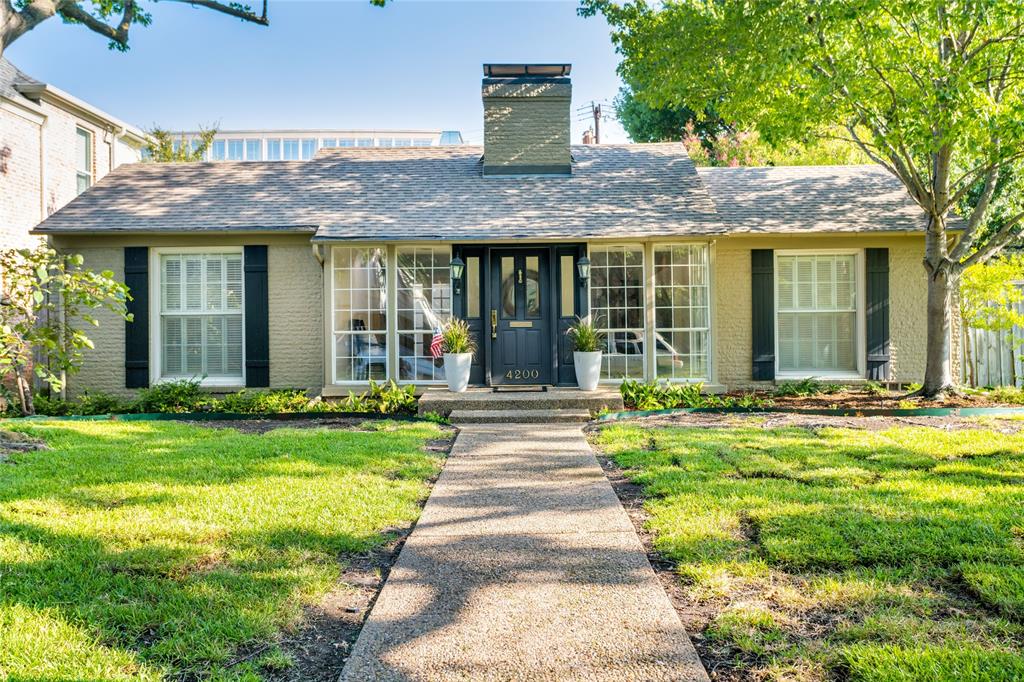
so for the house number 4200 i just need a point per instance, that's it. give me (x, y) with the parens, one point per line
(522, 374)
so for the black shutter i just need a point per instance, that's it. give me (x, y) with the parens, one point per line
(136, 332)
(877, 314)
(257, 321)
(762, 314)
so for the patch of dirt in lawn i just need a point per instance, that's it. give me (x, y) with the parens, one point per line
(264, 425)
(322, 642)
(12, 442)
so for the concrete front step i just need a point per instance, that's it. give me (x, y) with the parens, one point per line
(517, 416)
(443, 401)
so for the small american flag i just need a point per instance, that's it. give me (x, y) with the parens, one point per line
(436, 343)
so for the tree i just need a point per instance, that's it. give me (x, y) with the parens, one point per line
(990, 294)
(163, 148)
(47, 297)
(930, 89)
(644, 123)
(112, 19)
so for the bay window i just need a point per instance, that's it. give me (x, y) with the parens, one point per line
(201, 318)
(359, 309)
(424, 305)
(681, 314)
(617, 308)
(817, 318)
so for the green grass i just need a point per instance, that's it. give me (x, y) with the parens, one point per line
(842, 554)
(153, 550)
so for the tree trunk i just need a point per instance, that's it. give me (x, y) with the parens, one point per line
(943, 278)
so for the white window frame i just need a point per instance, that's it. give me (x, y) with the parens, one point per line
(155, 309)
(860, 335)
(389, 335)
(393, 329)
(651, 317)
(644, 305)
(90, 160)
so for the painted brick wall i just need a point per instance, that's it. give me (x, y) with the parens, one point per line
(526, 125)
(19, 178)
(732, 299)
(295, 312)
(25, 197)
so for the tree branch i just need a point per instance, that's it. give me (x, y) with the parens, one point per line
(963, 246)
(118, 34)
(996, 243)
(231, 10)
(19, 22)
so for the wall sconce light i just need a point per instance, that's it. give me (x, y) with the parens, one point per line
(457, 268)
(583, 268)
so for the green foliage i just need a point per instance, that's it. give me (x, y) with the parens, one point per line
(875, 388)
(48, 298)
(387, 398)
(163, 148)
(264, 402)
(456, 337)
(745, 148)
(653, 395)
(841, 553)
(805, 388)
(585, 337)
(436, 417)
(175, 397)
(989, 294)
(166, 551)
(670, 124)
(1010, 395)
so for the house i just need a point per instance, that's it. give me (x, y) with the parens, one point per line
(303, 144)
(53, 147)
(326, 273)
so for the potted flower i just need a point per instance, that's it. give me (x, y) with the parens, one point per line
(586, 345)
(458, 347)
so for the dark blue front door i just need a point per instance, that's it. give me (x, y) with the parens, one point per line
(520, 337)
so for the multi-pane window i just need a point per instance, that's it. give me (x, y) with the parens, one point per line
(817, 313)
(424, 305)
(291, 150)
(617, 308)
(364, 142)
(422, 142)
(385, 142)
(308, 148)
(201, 315)
(273, 150)
(254, 150)
(329, 142)
(218, 150)
(360, 314)
(347, 142)
(236, 150)
(681, 312)
(403, 142)
(83, 159)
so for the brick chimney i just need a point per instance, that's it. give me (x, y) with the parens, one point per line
(526, 119)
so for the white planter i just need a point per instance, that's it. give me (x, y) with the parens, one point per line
(588, 369)
(456, 370)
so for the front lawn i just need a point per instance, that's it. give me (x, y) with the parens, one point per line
(154, 550)
(835, 554)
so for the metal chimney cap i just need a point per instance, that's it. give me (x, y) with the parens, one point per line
(531, 70)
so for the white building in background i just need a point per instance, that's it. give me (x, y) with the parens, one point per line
(300, 145)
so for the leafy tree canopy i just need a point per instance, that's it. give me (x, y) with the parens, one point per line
(163, 147)
(933, 90)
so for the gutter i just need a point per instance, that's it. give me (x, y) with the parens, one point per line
(84, 109)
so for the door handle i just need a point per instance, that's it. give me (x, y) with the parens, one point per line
(494, 324)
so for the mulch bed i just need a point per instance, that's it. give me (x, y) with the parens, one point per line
(854, 400)
(776, 420)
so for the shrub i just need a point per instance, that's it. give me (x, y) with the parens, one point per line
(388, 398)
(802, 388)
(584, 337)
(664, 396)
(265, 402)
(1007, 394)
(456, 338)
(182, 395)
(103, 403)
(875, 388)
(52, 407)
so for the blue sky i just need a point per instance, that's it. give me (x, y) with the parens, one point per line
(335, 64)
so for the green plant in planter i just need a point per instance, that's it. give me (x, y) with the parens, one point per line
(457, 338)
(585, 337)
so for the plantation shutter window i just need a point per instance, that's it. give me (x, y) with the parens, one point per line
(201, 316)
(817, 313)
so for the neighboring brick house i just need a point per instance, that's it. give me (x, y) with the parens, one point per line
(52, 147)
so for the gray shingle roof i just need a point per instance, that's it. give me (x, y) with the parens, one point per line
(9, 75)
(798, 199)
(405, 193)
(615, 191)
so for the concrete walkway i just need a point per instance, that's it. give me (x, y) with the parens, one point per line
(523, 566)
